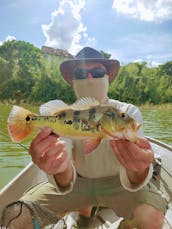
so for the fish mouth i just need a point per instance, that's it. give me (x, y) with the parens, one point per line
(117, 135)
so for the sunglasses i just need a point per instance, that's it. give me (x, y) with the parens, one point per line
(81, 73)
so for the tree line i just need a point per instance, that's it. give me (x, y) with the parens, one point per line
(29, 75)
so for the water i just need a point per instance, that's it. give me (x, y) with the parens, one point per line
(14, 157)
(158, 122)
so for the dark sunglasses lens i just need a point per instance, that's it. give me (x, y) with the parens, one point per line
(98, 72)
(80, 73)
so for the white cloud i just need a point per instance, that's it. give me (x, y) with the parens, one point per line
(140, 60)
(66, 30)
(146, 10)
(10, 38)
(153, 64)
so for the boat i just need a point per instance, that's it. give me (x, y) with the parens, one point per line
(103, 217)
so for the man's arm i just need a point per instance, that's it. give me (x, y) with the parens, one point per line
(51, 156)
(65, 178)
(135, 158)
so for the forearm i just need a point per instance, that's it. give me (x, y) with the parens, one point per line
(64, 179)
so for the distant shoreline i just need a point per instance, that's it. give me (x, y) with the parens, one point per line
(146, 105)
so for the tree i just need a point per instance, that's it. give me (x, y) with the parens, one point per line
(105, 54)
(27, 74)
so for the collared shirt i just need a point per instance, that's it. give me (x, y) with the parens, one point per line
(102, 162)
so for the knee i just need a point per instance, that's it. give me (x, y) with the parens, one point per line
(85, 212)
(148, 217)
(15, 216)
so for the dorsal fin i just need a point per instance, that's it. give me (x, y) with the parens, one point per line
(52, 107)
(85, 103)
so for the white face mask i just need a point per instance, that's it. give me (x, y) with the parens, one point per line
(94, 87)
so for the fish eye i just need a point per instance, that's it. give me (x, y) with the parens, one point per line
(27, 118)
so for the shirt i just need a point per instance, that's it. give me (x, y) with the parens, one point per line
(102, 162)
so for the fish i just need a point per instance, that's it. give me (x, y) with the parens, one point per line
(86, 120)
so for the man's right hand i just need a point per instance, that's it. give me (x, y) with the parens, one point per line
(50, 155)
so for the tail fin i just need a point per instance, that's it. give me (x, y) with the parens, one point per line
(19, 124)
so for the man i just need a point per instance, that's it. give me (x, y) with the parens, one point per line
(116, 174)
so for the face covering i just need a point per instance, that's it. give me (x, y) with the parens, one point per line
(94, 87)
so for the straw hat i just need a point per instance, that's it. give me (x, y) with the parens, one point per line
(85, 55)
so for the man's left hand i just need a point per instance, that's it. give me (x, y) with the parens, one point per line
(135, 157)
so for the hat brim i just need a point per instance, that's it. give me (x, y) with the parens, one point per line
(67, 67)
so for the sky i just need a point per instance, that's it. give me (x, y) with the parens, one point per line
(129, 30)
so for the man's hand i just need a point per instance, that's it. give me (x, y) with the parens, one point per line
(135, 157)
(50, 155)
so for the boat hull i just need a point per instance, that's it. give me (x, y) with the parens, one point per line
(32, 175)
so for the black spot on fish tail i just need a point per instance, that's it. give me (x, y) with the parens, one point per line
(27, 118)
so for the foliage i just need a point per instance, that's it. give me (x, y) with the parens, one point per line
(28, 75)
(105, 54)
(138, 84)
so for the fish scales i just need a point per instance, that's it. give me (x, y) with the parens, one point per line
(73, 123)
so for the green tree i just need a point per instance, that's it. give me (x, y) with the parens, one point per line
(105, 54)
(27, 74)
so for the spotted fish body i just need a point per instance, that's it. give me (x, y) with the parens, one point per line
(86, 120)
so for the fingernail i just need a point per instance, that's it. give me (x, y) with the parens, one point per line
(43, 155)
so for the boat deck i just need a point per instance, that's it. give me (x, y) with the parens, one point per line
(105, 218)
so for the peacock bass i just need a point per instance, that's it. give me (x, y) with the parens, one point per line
(86, 120)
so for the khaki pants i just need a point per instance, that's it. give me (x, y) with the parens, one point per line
(104, 192)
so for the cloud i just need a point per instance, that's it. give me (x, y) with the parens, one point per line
(150, 62)
(145, 10)
(141, 46)
(8, 38)
(66, 30)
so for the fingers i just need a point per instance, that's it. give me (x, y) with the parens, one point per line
(48, 152)
(44, 132)
(144, 154)
(143, 143)
(54, 161)
(42, 140)
(124, 156)
(133, 156)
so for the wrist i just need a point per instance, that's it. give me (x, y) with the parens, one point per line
(64, 179)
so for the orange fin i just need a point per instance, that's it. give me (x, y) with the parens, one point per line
(90, 145)
(18, 125)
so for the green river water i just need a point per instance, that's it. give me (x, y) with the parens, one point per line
(14, 157)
